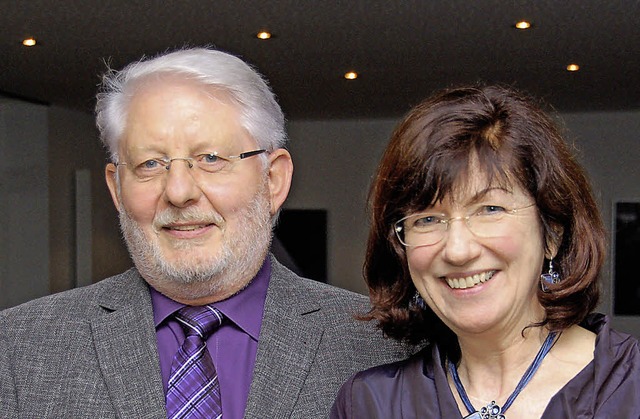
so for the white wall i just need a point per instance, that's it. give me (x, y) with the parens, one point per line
(24, 202)
(334, 162)
(333, 165)
(73, 147)
(610, 146)
(41, 149)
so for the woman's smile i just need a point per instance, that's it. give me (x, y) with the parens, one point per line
(469, 281)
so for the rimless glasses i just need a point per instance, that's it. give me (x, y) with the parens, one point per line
(207, 162)
(426, 229)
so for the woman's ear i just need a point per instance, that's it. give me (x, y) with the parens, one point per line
(553, 240)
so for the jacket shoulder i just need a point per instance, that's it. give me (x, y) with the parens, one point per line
(109, 293)
(337, 311)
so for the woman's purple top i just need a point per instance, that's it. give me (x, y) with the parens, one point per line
(608, 387)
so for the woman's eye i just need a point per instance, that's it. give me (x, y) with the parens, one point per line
(491, 210)
(425, 221)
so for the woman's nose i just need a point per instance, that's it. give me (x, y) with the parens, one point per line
(460, 244)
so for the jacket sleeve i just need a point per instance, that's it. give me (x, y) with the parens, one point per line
(8, 399)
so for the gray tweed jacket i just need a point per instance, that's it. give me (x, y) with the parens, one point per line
(92, 353)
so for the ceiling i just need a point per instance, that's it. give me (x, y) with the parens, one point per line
(403, 50)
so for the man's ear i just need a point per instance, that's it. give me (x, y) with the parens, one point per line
(280, 174)
(111, 176)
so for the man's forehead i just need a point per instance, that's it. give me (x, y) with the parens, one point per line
(180, 84)
(171, 111)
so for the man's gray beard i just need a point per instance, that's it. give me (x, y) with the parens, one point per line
(240, 255)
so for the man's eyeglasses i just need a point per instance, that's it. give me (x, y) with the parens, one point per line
(426, 229)
(208, 162)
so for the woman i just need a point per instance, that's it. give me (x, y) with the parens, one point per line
(486, 244)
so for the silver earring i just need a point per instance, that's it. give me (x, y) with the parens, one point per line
(417, 302)
(550, 278)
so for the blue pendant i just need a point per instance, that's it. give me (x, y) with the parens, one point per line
(491, 411)
(549, 279)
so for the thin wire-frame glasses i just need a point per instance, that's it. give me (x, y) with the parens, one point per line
(208, 162)
(427, 229)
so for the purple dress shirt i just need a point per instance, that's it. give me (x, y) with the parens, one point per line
(232, 347)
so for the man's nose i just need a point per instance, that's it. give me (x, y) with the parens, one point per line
(187, 160)
(181, 188)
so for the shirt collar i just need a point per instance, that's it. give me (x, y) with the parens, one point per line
(244, 309)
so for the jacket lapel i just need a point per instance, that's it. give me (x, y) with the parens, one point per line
(125, 343)
(289, 341)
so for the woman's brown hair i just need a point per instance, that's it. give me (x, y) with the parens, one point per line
(513, 141)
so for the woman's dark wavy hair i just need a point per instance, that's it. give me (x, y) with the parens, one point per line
(513, 141)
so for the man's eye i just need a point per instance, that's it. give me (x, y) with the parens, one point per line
(150, 164)
(210, 162)
(210, 158)
(151, 167)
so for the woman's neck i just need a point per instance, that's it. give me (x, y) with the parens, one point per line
(491, 367)
(490, 370)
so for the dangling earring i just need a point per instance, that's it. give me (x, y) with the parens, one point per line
(550, 278)
(417, 302)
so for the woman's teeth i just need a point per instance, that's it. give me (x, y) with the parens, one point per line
(470, 281)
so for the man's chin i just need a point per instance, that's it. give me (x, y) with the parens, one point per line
(203, 244)
(191, 290)
(192, 267)
(198, 257)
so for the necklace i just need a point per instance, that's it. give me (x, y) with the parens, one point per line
(492, 410)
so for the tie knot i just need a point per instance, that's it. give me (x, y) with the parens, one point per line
(201, 321)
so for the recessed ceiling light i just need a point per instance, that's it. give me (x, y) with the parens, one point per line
(350, 75)
(29, 42)
(573, 67)
(523, 24)
(263, 35)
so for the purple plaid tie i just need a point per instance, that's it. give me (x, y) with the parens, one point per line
(194, 391)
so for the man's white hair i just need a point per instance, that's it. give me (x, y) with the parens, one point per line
(260, 114)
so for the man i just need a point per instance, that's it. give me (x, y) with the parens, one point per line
(198, 175)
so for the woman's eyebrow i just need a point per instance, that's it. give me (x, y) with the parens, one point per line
(479, 195)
